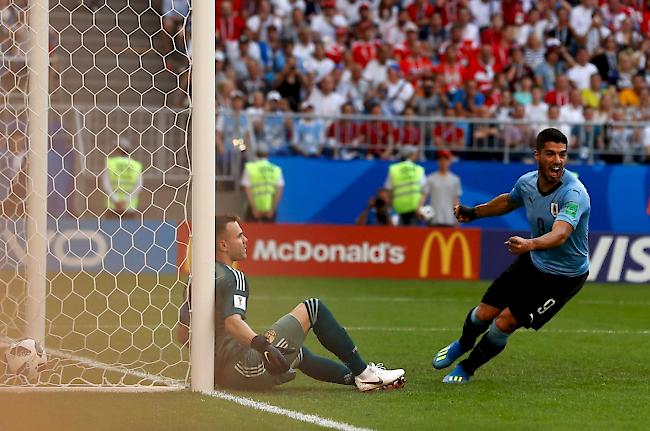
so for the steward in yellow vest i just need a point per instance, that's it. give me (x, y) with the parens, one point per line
(263, 184)
(122, 180)
(405, 182)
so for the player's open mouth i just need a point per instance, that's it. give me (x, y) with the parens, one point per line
(555, 171)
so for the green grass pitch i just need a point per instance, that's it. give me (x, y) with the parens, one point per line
(588, 369)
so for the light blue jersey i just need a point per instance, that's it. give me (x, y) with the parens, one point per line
(570, 203)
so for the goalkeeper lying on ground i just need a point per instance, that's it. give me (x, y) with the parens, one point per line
(246, 360)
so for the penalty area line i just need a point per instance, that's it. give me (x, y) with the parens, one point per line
(269, 408)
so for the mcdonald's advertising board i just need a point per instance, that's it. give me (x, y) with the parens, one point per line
(360, 251)
(353, 251)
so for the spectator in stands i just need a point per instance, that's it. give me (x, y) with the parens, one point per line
(318, 65)
(405, 181)
(591, 96)
(580, 19)
(364, 50)
(396, 34)
(406, 132)
(606, 60)
(13, 170)
(376, 135)
(627, 37)
(625, 71)
(483, 11)
(308, 133)
(467, 99)
(326, 22)
(231, 125)
(400, 91)
(343, 135)
(580, 73)
(470, 31)
(534, 52)
(442, 189)
(523, 91)
(536, 111)
(606, 107)
(554, 121)
(378, 212)
(552, 66)
(338, 49)
(517, 69)
(563, 31)
(263, 185)
(304, 46)
(229, 26)
(259, 23)
(597, 33)
(560, 94)
(619, 140)
(122, 181)
(420, 12)
(483, 68)
(572, 113)
(375, 71)
(353, 87)
(290, 83)
(485, 138)
(254, 80)
(436, 33)
(448, 135)
(276, 125)
(293, 23)
(631, 97)
(518, 136)
(432, 100)
(325, 101)
(590, 135)
(534, 25)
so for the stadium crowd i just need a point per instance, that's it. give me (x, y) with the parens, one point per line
(537, 62)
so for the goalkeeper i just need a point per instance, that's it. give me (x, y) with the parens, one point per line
(249, 361)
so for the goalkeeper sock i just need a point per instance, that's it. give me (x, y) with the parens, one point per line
(333, 337)
(324, 369)
(490, 345)
(472, 328)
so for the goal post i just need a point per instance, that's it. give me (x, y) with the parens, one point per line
(37, 128)
(116, 165)
(203, 198)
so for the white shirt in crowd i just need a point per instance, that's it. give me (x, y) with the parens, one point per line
(328, 106)
(580, 19)
(399, 94)
(580, 75)
(375, 72)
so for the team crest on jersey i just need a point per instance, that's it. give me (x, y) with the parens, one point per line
(555, 209)
(270, 335)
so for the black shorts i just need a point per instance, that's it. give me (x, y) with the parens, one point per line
(532, 296)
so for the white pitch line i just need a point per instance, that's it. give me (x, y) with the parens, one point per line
(246, 402)
(554, 331)
(302, 417)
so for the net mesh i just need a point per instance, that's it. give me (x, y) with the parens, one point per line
(118, 85)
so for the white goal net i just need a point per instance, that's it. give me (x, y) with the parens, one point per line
(118, 172)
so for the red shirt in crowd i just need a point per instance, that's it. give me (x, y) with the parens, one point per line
(376, 136)
(555, 97)
(345, 131)
(364, 51)
(414, 67)
(230, 28)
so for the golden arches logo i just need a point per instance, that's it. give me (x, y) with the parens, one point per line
(446, 247)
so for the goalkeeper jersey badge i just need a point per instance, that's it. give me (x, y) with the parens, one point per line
(270, 335)
(555, 209)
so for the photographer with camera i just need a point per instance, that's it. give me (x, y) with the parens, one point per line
(378, 212)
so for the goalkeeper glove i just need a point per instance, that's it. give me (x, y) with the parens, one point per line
(468, 212)
(272, 357)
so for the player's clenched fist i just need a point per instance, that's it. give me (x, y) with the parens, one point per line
(274, 360)
(465, 214)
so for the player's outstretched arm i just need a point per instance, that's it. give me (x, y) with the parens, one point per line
(498, 206)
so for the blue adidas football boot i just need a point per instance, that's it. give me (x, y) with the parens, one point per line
(447, 355)
(457, 375)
